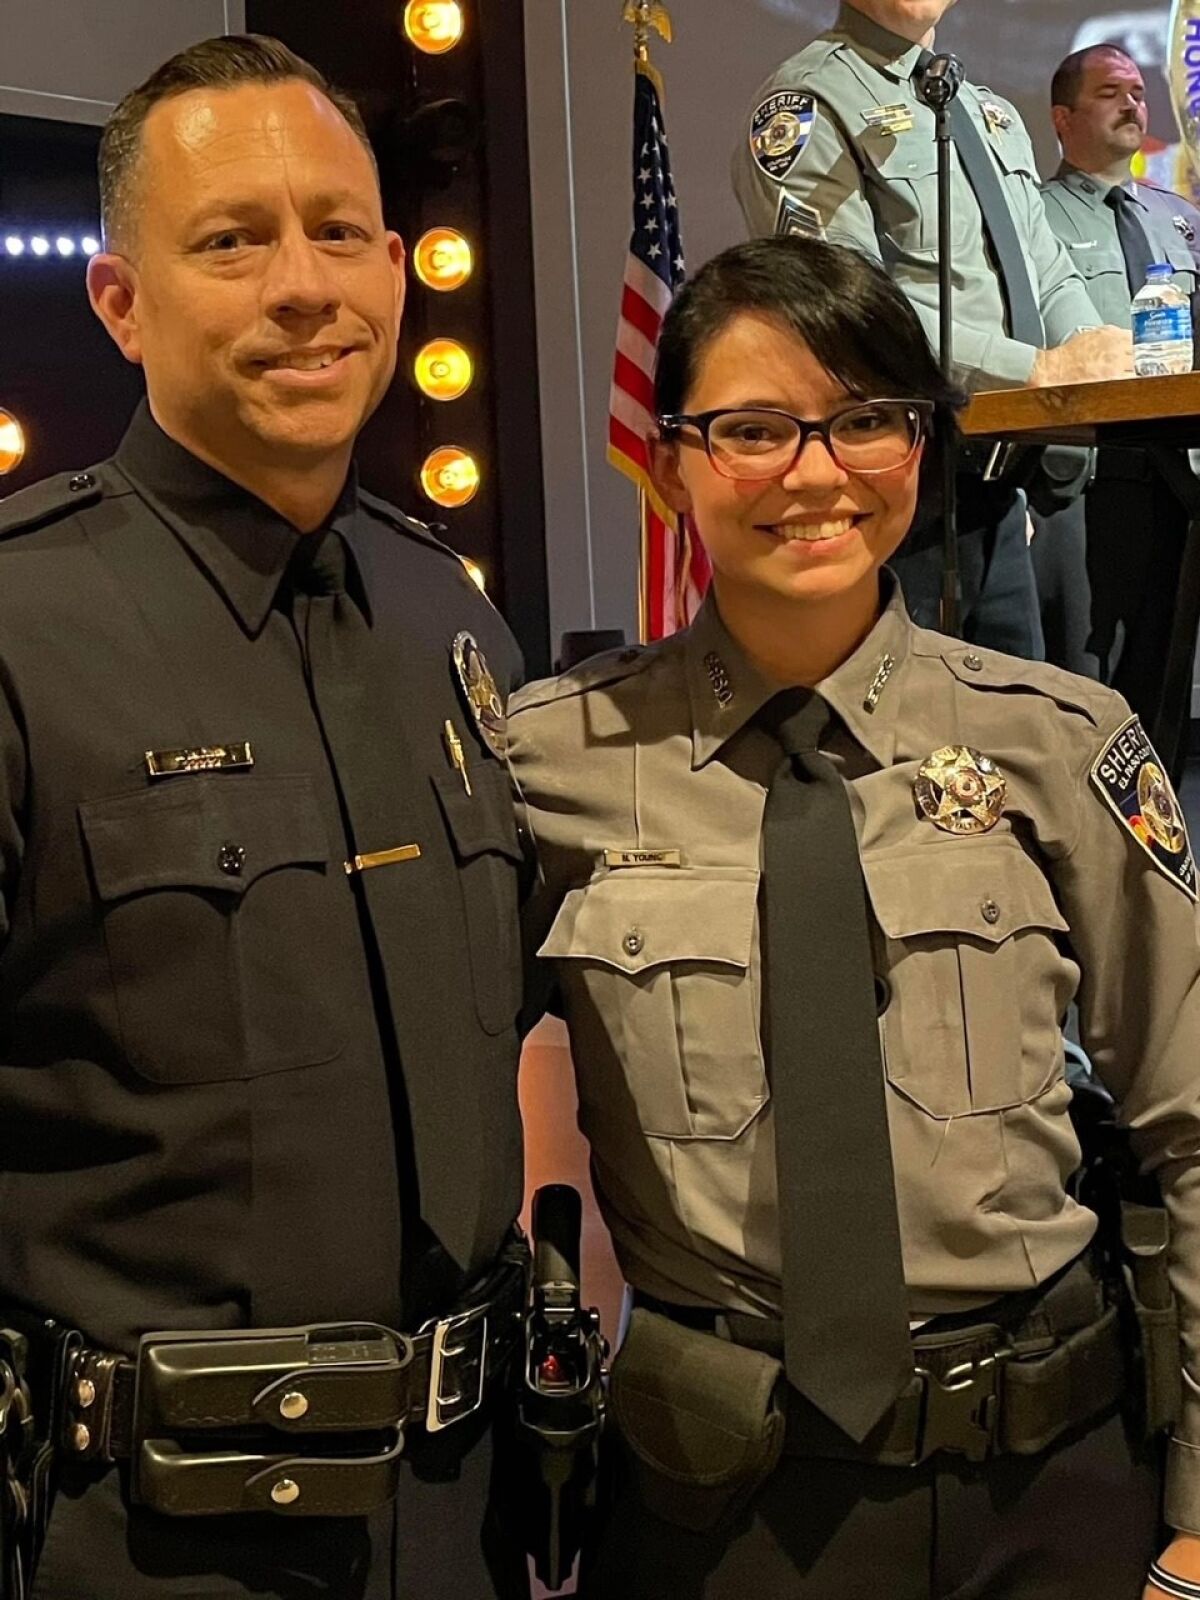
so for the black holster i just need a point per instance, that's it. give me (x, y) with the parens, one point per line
(559, 1407)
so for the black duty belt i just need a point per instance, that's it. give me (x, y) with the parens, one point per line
(1004, 1384)
(307, 1421)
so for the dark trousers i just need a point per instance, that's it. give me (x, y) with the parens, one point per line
(1060, 566)
(999, 596)
(1078, 1522)
(439, 1542)
(1136, 530)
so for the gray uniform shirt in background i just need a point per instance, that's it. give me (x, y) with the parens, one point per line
(1077, 211)
(864, 173)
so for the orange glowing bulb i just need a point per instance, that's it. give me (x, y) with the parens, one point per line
(442, 259)
(12, 442)
(443, 369)
(450, 476)
(434, 26)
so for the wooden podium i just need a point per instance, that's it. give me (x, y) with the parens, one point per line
(1162, 417)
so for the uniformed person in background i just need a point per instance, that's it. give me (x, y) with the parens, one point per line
(259, 968)
(839, 145)
(817, 887)
(1114, 228)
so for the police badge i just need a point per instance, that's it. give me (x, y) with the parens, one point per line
(779, 130)
(481, 694)
(960, 790)
(1183, 226)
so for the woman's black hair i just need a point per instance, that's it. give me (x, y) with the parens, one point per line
(858, 324)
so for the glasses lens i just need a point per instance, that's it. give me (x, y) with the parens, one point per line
(876, 437)
(753, 444)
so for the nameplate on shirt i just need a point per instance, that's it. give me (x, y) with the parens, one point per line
(890, 119)
(643, 858)
(199, 758)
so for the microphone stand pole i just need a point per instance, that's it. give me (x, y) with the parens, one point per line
(938, 87)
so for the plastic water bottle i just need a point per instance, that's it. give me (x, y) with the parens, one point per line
(1162, 325)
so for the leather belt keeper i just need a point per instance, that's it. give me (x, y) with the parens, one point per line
(306, 1421)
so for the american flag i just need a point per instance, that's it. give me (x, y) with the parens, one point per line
(674, 566)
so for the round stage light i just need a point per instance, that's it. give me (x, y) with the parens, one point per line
(450, 476)
(442, 259)
(89, 245)
(12, 442)
(443, 369)
(434, 26)
(39, 245)
(64, 246)
(475, 572)
(14, 244)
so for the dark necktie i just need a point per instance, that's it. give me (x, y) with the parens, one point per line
(845, 1318)
(1135, 244)
(1024, 318)
(331, 629)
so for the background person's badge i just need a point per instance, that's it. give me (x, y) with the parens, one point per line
(960, 790)
(779, 130)
(1133, 782)
(480, 693)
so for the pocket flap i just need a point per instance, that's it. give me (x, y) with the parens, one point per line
(482, 820)
(911, 155)
(642, 917)
(178, 836)
(985, 890)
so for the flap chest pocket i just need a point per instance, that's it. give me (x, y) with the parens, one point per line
(218, 833)
(483, 819)
(483, 835)
(660, 968)
(209, 890)
(975, 978)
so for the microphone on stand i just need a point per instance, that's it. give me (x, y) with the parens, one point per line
(941, 81)
(938, 86)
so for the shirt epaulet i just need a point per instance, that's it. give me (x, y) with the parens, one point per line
(50, 501)
(403, 523)
(990, 670)
(597, 672)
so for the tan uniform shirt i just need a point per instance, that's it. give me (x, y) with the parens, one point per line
(645, 781)
(838, 145)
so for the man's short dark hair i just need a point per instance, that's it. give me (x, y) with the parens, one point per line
(1065, 84)
(226, 62)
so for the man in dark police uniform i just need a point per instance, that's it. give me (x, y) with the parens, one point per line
(258, 961)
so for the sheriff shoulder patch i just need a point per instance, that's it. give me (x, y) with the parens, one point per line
(779, 130)
(1131, 779)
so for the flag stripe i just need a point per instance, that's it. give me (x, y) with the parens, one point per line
(674, 567)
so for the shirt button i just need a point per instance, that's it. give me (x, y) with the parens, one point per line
(231, 858)
(81, 480)
(991, 911)
(972, 662)
(633, 942)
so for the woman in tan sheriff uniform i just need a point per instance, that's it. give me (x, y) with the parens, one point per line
(814, 983)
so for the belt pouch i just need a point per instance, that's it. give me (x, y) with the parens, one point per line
(1144, 1238)
(1046, 1395)
(702, 1419)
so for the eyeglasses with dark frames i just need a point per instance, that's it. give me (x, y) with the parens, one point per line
(760, 442)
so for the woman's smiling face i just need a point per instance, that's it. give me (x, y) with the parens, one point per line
(812, 532)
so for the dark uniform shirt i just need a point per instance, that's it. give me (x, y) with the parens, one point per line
(237, 1083)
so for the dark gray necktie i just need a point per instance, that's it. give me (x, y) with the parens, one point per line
(1024, 318)
(1134, 241)
(845, 1316)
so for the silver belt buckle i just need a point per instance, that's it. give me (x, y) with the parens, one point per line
(455, 1337)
